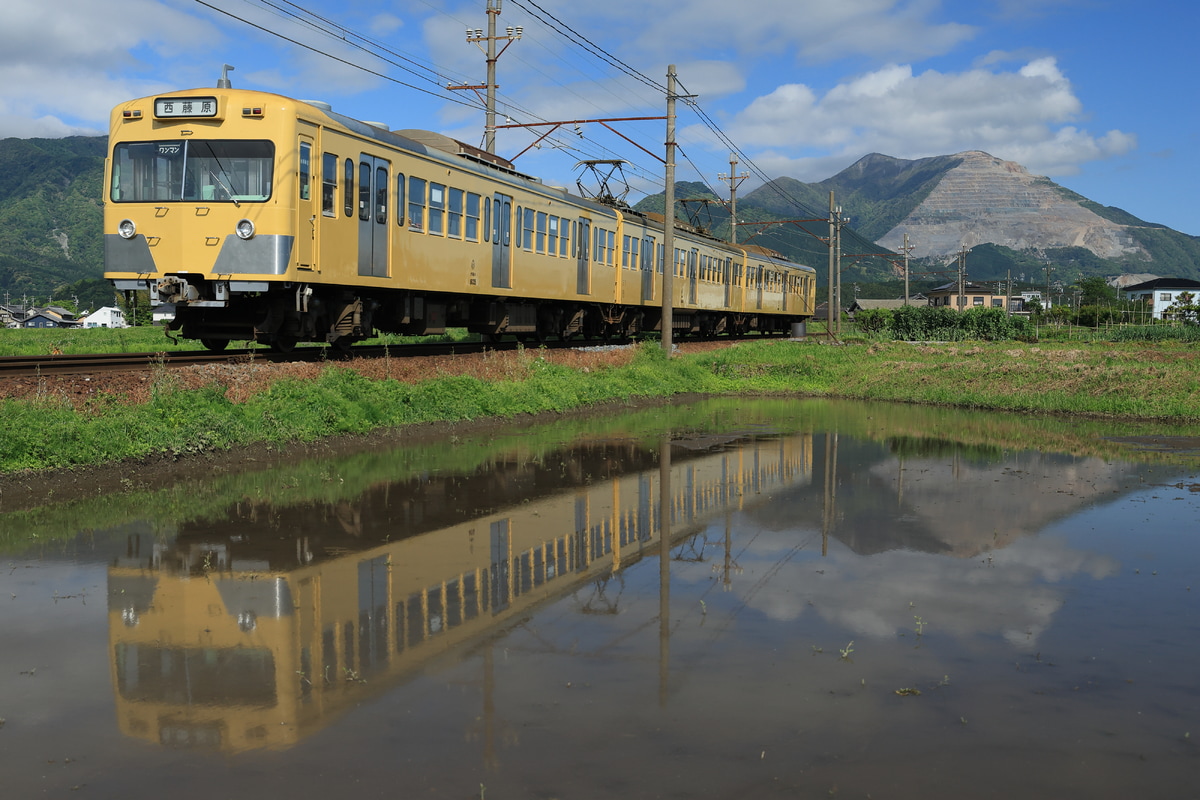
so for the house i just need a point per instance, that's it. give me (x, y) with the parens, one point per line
(107, 317)
(49, 317)
(1162, 293)
(868, 305)
(12, 316)
(974, 295)
(1019, 303)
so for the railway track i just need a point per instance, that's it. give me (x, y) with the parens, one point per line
(96, 363)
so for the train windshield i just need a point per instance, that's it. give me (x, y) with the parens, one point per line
(193, 170)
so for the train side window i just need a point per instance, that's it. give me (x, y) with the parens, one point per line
(437, 207)
(625, 252)
(528, 228)
(381, 195)
(487, 220)
(633, 252)
(400, 198)
(541, 231)
(364, 190)
(496, 214)
(552, 235)
(454, 215)
(662, 257)
(564, 239)
(305, 171)
(329, 179)
(348, 189)
(416, 204)
(612, 248)
(472, 229)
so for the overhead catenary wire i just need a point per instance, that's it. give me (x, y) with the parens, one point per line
(339, 59)
(436, 77)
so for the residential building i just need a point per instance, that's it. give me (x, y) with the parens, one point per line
(49, 317)
(974, 295)
(107, 317)
(1162, 293)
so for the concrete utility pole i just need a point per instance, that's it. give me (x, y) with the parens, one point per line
(962, 278)
(837, 245)
(832, 256)
(907, 249)
(475, 36)
(734, 180)
(668, 279)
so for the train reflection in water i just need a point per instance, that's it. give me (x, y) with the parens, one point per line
(255, 630)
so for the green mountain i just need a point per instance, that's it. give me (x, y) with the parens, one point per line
(1015, 223)
(50, 217)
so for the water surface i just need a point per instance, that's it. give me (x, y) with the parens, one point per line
(856, 600)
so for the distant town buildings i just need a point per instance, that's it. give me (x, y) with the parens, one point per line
(20, 316)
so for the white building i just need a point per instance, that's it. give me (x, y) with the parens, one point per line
(107, 317)
(1162, 293)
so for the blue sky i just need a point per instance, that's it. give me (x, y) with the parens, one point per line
(1096, 94)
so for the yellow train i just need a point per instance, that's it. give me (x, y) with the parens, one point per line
(257, 630)
(260, 217)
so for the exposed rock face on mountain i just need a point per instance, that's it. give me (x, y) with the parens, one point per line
(986, 199)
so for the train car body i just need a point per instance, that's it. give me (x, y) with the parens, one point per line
(260, 217)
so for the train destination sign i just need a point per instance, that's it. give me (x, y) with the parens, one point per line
(185, 107)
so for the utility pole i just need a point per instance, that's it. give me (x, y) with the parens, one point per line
(734, 180)
(837, 245)
(907, 249)
(832, 256)
(475, 36)
(962, 279)
(668, 279)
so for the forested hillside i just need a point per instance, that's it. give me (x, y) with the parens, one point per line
(50, 215)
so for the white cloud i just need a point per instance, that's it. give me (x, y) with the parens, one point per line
(1020, 115)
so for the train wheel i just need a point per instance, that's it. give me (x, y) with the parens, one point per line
(216, 345)
(283, 344)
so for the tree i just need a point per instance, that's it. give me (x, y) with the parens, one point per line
(1095, 291)
(1185, 309)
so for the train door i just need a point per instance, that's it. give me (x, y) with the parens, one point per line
(647, 269)
(306, 218)
(372, 216)
(583, 280)
(727, 279)
(501, 241)
(693, 257)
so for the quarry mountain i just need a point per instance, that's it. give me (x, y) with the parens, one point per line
(1015, 223)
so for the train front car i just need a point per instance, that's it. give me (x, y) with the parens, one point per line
(203, 210)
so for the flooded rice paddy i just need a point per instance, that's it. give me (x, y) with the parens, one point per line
(855, 601)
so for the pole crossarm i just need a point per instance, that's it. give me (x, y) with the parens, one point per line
(556, 125)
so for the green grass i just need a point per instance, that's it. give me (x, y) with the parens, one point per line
(1127, 381)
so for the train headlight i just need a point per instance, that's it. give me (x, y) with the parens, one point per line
(127, 229)
(245, 229)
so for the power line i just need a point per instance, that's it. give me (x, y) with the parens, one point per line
(339, 59)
